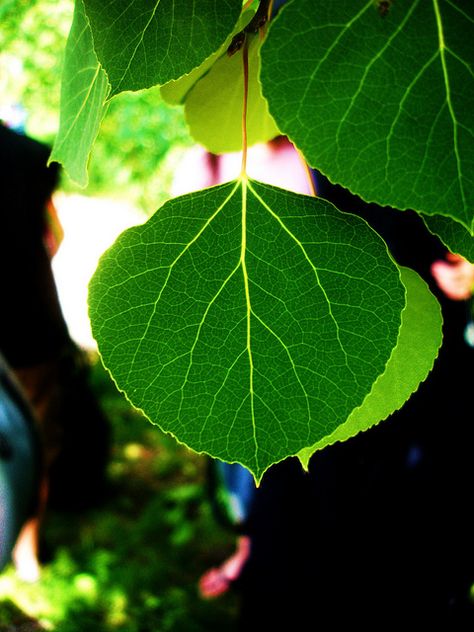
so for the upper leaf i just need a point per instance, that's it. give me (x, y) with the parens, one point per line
(141, 43)
(84, 90)
(410, 363)
(381, 102)
(175, 91)
(246, 320)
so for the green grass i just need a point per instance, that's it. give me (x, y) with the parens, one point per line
(133, 563)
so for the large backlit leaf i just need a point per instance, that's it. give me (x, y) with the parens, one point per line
(214, 105)
(380, 100)
(410, 363)
(142, 43)
(84, 90)
(453, 235)
(246, 320)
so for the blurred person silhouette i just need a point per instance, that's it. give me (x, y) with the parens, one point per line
(20, 462)
(231, 490)
(51, 369)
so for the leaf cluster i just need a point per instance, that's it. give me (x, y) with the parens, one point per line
(250, 322)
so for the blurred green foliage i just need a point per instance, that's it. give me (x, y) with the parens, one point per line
(140, 142)
(141, 138)
(133, 563)
(32, 39)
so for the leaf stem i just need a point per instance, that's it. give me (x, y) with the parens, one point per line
(245, 60)
(309, 175)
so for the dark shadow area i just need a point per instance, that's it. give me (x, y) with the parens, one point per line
(12, 619)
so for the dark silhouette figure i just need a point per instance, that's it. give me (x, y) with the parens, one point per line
(35, 342)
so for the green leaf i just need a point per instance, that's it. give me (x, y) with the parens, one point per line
(409, 365)
(214, 106)
(453, 235)
(246, 320)
(84, 91)
(383, 105)
(142, 44)
(174, 92)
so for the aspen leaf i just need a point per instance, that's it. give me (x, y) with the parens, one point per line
(246, 320)
(381, 103)
(142, 44)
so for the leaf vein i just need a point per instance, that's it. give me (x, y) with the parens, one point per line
(442, 49)
(315, 270)
(171, 267)
(368, 68)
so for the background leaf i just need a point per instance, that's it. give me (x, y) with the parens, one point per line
(83, 93)
(213, 107)
(141, 44)
(174, 92)
(247, 322)
(383, 105)
(409, 365)
(453, 235)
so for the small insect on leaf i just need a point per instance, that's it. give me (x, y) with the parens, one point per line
(257, 23)
(383, 7)
(236, 43)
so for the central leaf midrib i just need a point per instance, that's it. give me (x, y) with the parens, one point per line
(244, 184)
